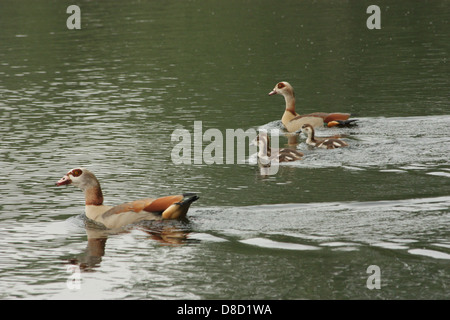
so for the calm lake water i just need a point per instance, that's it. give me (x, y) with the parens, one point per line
(109, 96)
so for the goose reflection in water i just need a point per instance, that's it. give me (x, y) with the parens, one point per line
(171, 233)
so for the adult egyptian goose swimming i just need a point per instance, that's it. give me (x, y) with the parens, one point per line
(170, 207)
(292, 121)
(325, 143)
(267, 155)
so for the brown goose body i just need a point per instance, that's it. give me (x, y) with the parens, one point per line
(112, 217)
(325, 143)
(293, 121)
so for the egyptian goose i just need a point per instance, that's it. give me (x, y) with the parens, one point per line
(325, 143)
(293, 122)
(170, 207)
(267, 155)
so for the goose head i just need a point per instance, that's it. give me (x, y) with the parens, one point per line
(307, 129)
(79, 177)
(261, 140)
(283, 88)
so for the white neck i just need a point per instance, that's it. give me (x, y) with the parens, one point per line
(290, 103)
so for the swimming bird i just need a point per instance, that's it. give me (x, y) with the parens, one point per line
(267, 155)
(325, 143)
(292, 121)
(169, 207)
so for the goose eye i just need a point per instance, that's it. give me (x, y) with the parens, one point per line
(76, 172)
(280, 85)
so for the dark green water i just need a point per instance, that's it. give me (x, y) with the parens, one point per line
(109, 97)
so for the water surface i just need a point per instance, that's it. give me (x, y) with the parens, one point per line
(109, 96)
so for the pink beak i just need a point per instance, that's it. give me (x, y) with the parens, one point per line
(64, 180)
(271, 93)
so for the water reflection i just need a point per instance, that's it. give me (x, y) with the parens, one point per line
(109, 98)
(171, 233)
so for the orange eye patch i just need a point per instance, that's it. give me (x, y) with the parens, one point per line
(280, 85)
(76, 172)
